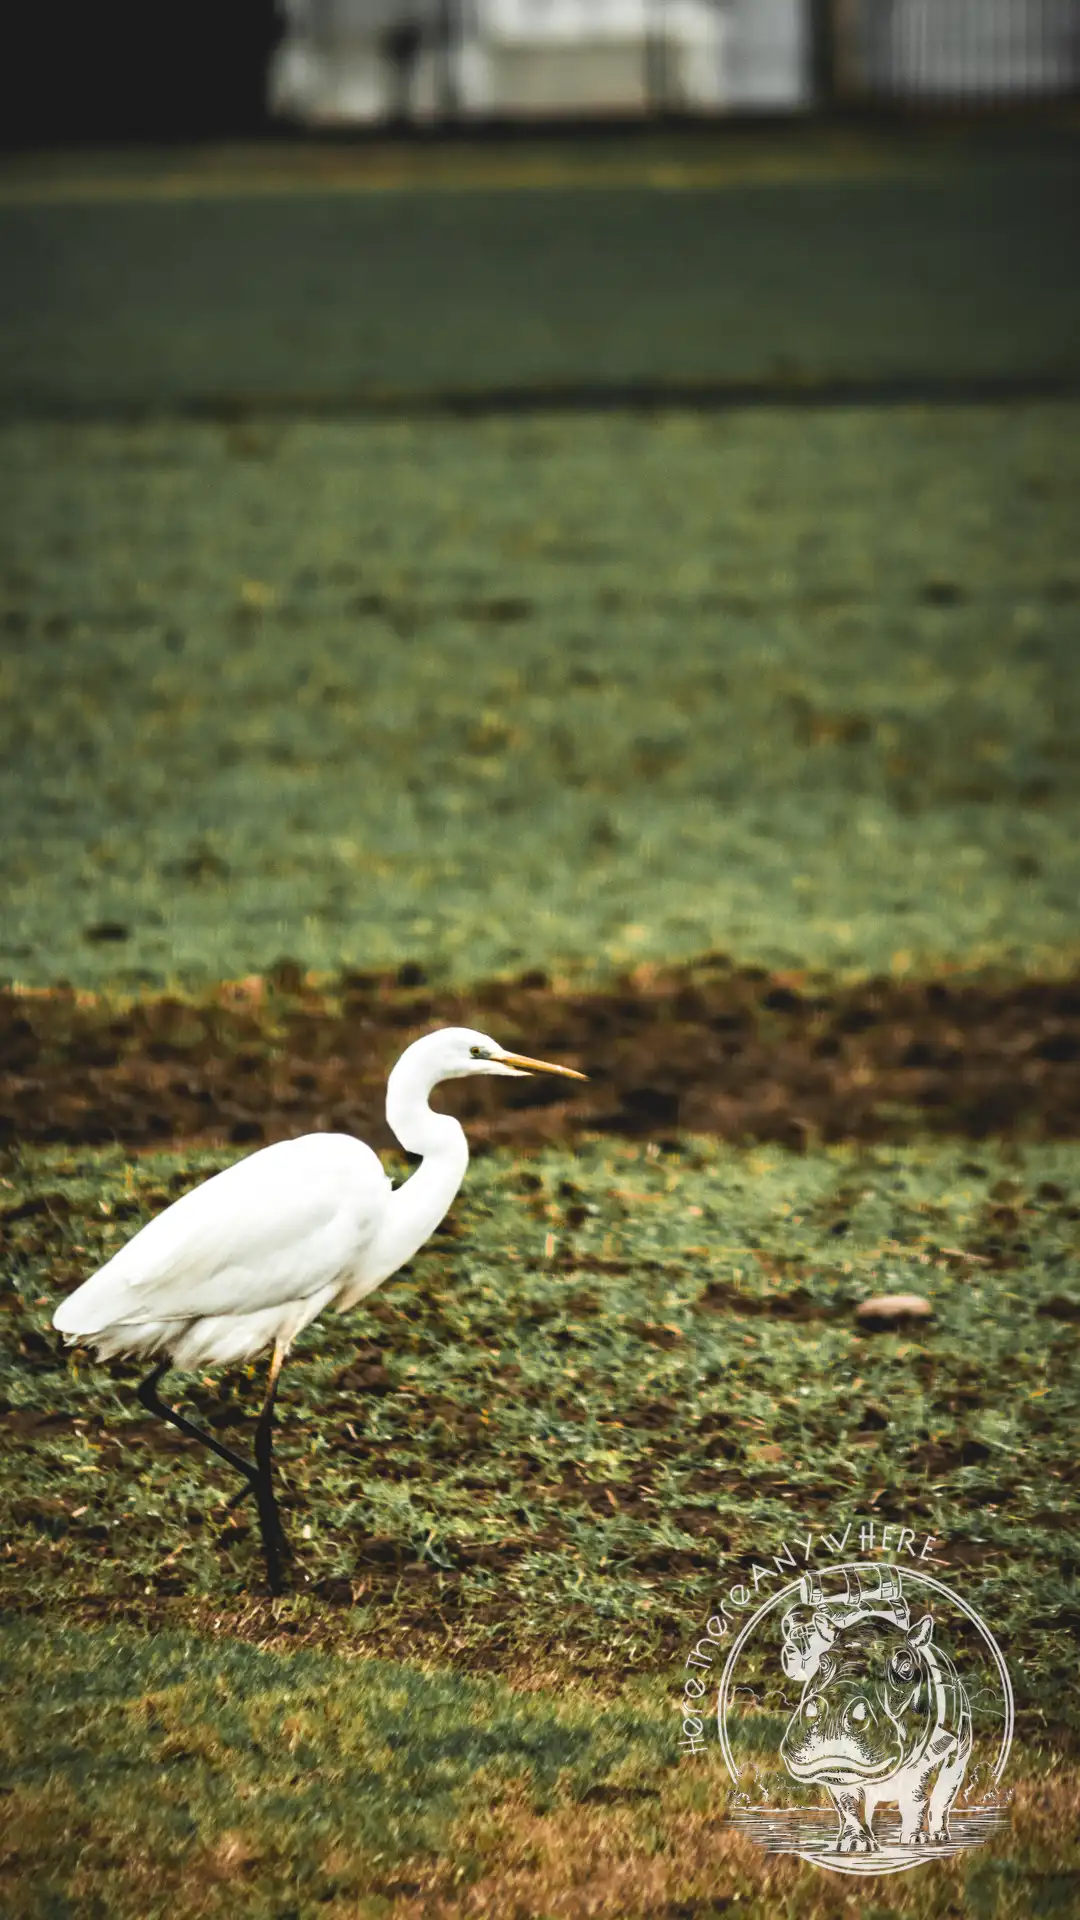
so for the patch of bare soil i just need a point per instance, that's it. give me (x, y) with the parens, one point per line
(735, 1052)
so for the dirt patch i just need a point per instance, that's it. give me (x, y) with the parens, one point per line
(738, 1053)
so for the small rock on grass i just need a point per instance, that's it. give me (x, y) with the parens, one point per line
(892, 1309)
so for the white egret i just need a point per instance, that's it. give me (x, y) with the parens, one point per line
(249, 1258)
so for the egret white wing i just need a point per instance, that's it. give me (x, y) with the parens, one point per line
(281, 1225)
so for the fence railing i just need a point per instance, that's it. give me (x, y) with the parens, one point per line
(960, 50)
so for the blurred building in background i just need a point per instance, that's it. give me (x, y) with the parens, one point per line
(107, 70)
(353, 60)
(344, 62)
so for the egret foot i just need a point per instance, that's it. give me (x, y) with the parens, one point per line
(258, 1474)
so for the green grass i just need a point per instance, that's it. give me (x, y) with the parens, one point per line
(614, 1378)
(327, 1775)
(151, 1776)
(500, 694)
(952, 260)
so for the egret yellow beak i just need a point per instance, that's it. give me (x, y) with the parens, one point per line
(522, 1064)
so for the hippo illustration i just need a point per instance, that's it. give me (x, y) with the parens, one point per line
(883, 1715)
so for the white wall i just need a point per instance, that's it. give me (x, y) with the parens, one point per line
(546, 57)
(769, 62)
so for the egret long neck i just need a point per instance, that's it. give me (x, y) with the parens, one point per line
(417, 1207)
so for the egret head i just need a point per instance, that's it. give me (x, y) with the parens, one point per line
(452, 1052)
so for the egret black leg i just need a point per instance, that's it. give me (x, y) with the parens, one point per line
(256, 1473)
(263, 1452)
(275, 1544)
(152, 1401)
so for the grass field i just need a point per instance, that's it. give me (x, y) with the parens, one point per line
(616, 1377)
(617, 1364)
(210, 283)
(586, 692)
(352, 685)
(175, 1776)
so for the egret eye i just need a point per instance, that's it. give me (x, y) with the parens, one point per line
(479, 1053)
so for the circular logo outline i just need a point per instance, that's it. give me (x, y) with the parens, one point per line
(723, 1698)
